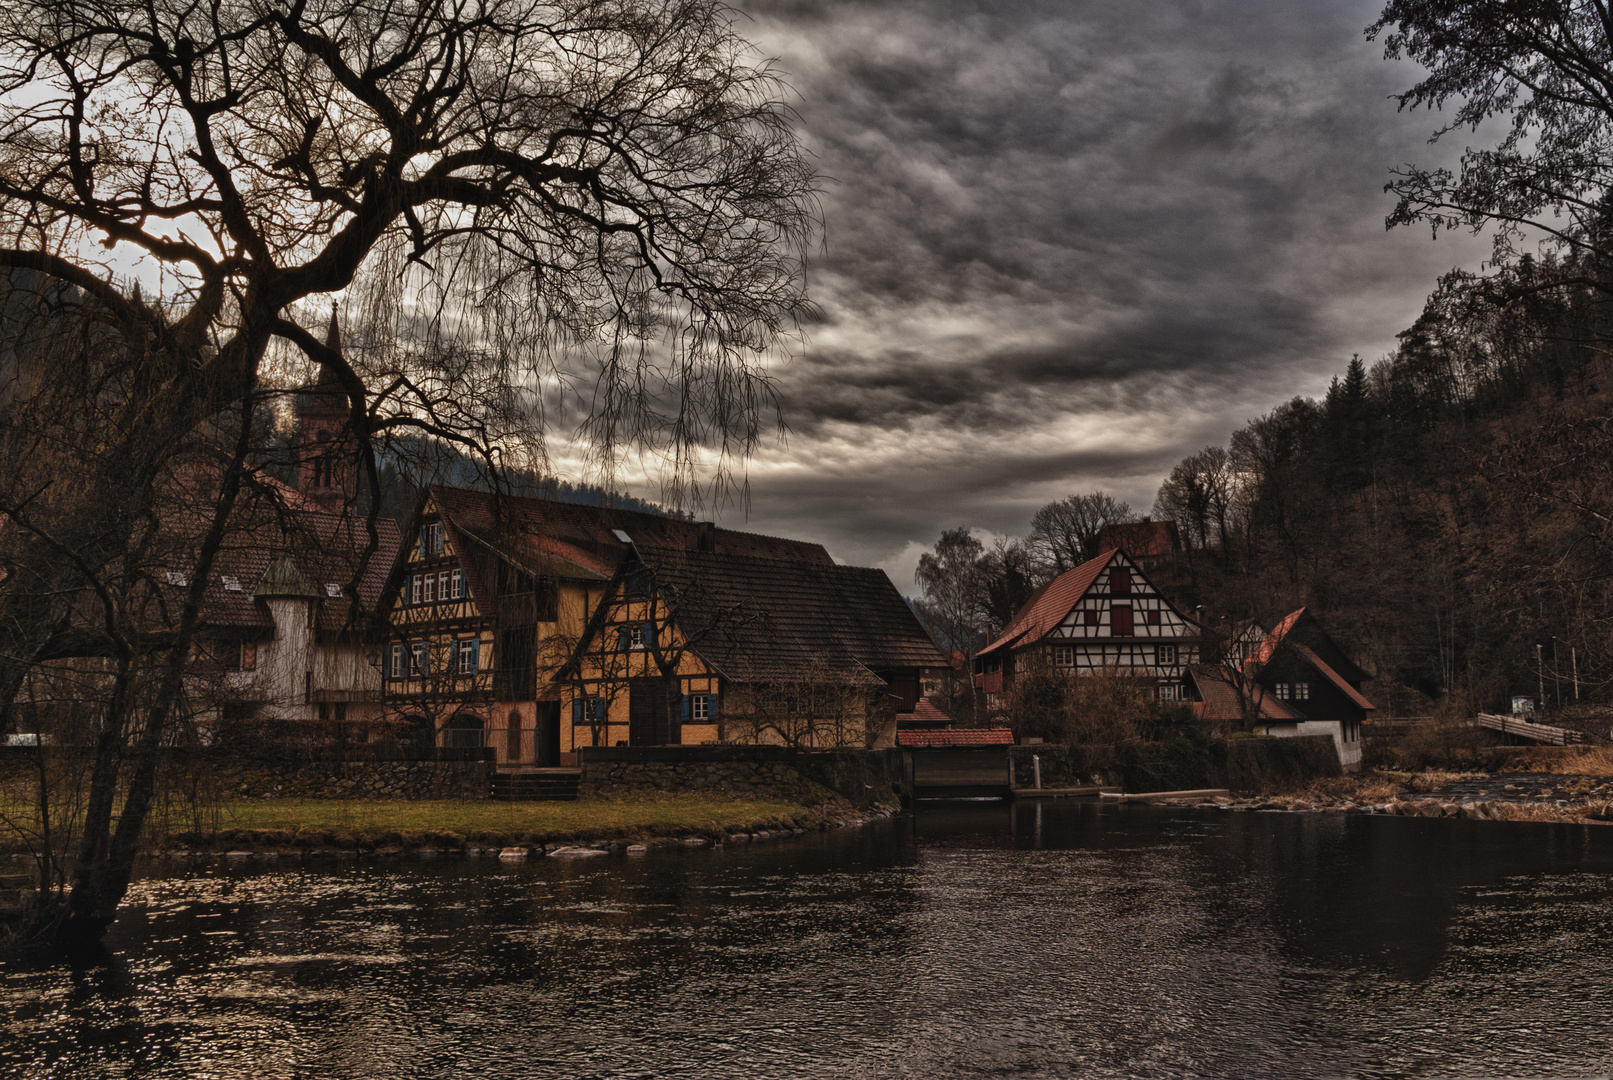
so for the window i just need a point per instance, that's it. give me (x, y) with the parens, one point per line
(469, 655)
(1063, 656)
(231, 584)
(700, 708)
(1167, 656)
(431, 539)
(1281, 690)
(249, 656)
(419, 659)
(442, 585)
(175, 577)
(1302, 691)
(1120, 582)
(333, 590)
(1092, 617)
(394, 667)
(1120, 622)
(630, 636)
(589, 711)
(1167, 692)
(1153, 618)
(414, 588)
(638, 585)
(428, 588)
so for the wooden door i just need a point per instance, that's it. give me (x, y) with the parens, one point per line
(546, 736)
(648, 720)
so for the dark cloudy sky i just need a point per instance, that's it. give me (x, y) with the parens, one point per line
(1068, 243)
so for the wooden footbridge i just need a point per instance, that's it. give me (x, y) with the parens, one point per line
(1523, 729)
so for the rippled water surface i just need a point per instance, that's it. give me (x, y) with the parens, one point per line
(966, 940)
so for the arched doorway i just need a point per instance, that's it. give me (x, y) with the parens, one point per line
(512, 735)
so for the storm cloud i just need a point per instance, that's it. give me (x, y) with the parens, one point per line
(1068, 243)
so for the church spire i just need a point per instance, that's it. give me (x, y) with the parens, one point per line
(327, 471)
(333, 335)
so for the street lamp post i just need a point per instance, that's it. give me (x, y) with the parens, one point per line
(1540, 674)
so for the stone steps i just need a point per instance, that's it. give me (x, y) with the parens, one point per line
(536, 787)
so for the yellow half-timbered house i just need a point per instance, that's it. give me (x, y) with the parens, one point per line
(694, 647)
(494, 592)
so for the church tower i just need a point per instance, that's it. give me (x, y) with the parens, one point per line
(326, 470)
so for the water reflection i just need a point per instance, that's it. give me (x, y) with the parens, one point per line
(969, 939)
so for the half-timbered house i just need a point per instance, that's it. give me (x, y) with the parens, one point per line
(691, 647)
(1102, 616)
(494, 592)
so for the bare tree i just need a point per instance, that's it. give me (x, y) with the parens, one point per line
(512, 196)
(1065, 532)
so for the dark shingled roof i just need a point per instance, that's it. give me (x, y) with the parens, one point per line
(765, 620)
(571, 540)
(322, 548)
(1220, 699)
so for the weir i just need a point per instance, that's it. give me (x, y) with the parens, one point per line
(976, 772)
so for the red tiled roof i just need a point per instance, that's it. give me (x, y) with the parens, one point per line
(1334, 677)
(926, 712)
(1141, 539)
(956, 737)
(1275, 638)
(1221, 699)
(1048, 605)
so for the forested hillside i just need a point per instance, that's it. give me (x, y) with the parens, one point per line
(1444, 512)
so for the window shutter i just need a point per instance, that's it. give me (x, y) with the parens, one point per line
(687, 708)
(576, 711)
(1120, 622)
(711, 708)
(623, 640)
(599, 710)
(649, 635)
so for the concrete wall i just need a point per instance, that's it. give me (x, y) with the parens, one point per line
(859, 776)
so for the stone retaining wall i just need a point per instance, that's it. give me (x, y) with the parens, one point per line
(861, 777)
(355, 779)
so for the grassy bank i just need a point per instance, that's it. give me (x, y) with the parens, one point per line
(341, 823)
(349, 825)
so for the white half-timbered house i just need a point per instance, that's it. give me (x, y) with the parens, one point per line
(1103, 616)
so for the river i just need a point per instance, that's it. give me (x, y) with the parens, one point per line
(966, 940)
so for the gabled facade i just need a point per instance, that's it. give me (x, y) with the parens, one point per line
(1301, 665)
(493, 595)
(692, 647)
(1102, 616)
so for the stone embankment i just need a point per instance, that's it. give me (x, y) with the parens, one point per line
(243, 845)
(1521, 797)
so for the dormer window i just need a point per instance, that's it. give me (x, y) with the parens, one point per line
(431, 539)
(176, 577)
(231, 584)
